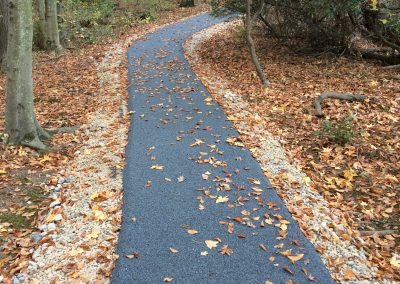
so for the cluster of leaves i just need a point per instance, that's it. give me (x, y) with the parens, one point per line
(359, 177)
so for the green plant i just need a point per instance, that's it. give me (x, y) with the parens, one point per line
(340, 131)
(240, 33)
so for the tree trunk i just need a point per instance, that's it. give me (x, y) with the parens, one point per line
(3, 33)
(50, 39)
(22, 126)
(249, 26)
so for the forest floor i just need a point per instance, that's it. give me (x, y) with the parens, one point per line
(359, 178)
(67, 94)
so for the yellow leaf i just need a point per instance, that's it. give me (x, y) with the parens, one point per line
(211, 244)
(93, 235)
(307, 181)
(192, 232)
(2, 171)
(168, 279)
(75, 252)
(157, 167)
(294, 258)
(374, 5)
(99, 215)
(395, 261)
(45, 159)
(204, 253)
(349, 174)
(222, 199)
(100, 196)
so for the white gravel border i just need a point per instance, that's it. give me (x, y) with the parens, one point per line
(274, 160)
(79, 239)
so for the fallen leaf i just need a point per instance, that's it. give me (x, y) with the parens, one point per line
(211, 244)
(173, 250)
(133, 255)
(157, 167)
(225, 250)
(349, 274)
(192, 232)
(222, 199)
(263, 247)
(294, 258)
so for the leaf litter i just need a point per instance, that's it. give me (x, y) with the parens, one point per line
(331, 190)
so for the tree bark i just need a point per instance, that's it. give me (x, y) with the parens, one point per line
(50, 39)
(249, 26)
(3, 33)
(22, 126)
(333, 95)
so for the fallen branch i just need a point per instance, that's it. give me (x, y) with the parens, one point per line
(52, 59)
(392, 67)
(379, 233)
(333, 95)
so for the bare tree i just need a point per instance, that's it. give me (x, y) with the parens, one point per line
(50, 39)
(250, 19)
(22, 126)
(3, 33)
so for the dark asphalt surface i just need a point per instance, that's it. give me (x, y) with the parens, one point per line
(171, 111)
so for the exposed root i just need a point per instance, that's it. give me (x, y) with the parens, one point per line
(333, 95)
(43, 134)
(35, 143)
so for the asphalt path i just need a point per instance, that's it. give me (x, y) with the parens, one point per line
(184, 184)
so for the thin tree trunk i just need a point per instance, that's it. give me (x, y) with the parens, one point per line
(41, 8)
(22, 126)
(3, 33)
(47, 10)
(249, 26)
(52, 26)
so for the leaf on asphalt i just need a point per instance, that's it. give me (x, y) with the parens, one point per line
(181, 178)
(263, 247)
(294, 258)
(168, 279)
(197, 142)
(173, 250)
(204, 253)
(192, 232)
(133, 255)
(222, 199)
(157, 167)
(211, 244)
(287, 269)
(225, 250)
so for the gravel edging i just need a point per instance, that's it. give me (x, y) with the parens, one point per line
(81, 244)
(78, 238)
(323, 225)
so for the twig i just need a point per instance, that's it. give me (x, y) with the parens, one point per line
(392, 67)
(51, 59)
(379, 233)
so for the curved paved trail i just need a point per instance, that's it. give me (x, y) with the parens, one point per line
(184, 184)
